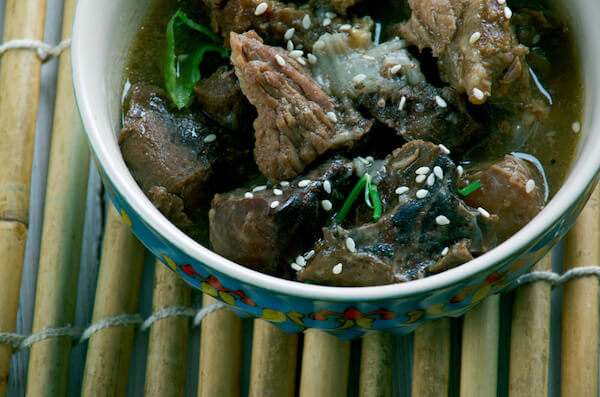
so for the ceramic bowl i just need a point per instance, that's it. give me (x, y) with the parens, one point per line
(102, 34)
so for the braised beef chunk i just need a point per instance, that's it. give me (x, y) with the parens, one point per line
(512, 188)
(221, 98)
(179, 158)
(477, 49)
(267, 229)
(417, 229)
(297, 121)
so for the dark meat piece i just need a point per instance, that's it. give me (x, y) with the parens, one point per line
(418, 224)
(221, 97)
(477, 49)
(504, 192)
(255, 231)
(173, 157)
(239, 16)
(297, 121)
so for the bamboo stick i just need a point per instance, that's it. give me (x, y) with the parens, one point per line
(431, 362)
(60, 251)
(376, 366)
(479, 366)
(109, 350)
(220, 353)
(579, 371)
(325, 363)
(274, 356)
(19, 97)
(530, 337)
(167, 349)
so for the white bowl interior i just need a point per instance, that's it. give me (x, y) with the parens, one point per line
(102, 34)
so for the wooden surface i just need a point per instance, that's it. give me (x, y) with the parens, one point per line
(135, 368)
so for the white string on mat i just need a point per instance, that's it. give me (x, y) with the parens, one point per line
(557, 280)
(44, 51)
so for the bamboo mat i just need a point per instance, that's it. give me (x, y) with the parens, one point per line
(534, 341)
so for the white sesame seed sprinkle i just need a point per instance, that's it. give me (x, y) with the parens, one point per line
(507, 12)
(326, 204)
(327, 187)
(284, 183)
(290, 46)
(345, 27)
(576, 127)
(304, 183)
(301, 61)
(309, 254)
(501, 2)
(440, 101)
(274, 204)
(474, 37)
(422, 193)
(330, 14)
(210, 138)
(332, 117)
(350, 244)
(326, 22)
(301, 261)
(296, 267)
(402, 189)
(529, 186)
(337, 269)
(319, 45)
(359, 78)
(444, 149)
(430, 180)
(277, 192)
(483, 212)
(437, 170)
(381, 102)
(296, 53)
(442, 220)
(306, 23)
(289, 33)
(460, 170)
(402, 103)
(395, 69)
(260, 9)
(420, 178)
(311, 59)
(445, 251)
(368, 57)
(423, 170)
(259, 188)
(280, 60)
(248, 195)
(477, 93)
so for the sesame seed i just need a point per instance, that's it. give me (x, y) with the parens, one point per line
(395, 69)
(309, 254)
(483, 212)
(301, 61)
(350, 244)
(311, 59)
(210, 138)
(319, 45)
(420, 178)
(275, 204)
(259, 188)
(332, 117)
(507, 12)
(326, 204)
(296, 53)
(445, 251)
(359, 78)
(402, 189)
(402, 103)
(422, 193)
(289, 33)
(345, 27)
(248, 195)
(576, 127)
(440, 101)
(477, 93)
(430, 180)
(501, 2)
(460, 170)
(304, 183)
(444, 149)
(330, 14)
(260, 9)
(284, 183)
(280, 60)
(277, 192)
(442, 220)
(306, 23)
(301, 261)
(296, 267)
(337, 269)
(474, 37)
(422, 170)
(381, 102)
(290, 45)
(326, 22)
(437, 170)
(368, 57)
(327, 187)
(529, 186)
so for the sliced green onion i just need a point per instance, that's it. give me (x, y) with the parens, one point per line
(470, 188)
(376, 201)
(367, 190)
(371, 198)
(352, 198)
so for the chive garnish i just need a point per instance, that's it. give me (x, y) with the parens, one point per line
(470, 188)
(371, 198)
(376, 201)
